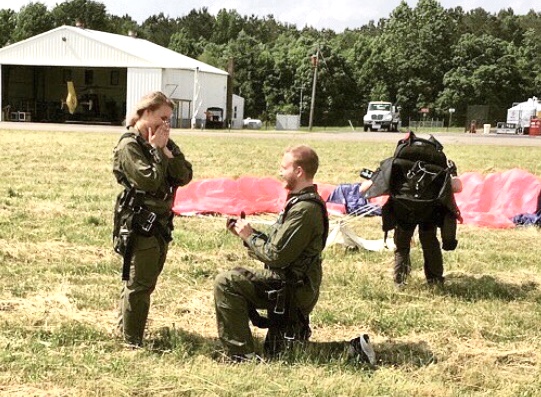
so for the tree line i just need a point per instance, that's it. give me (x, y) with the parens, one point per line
(418, 57)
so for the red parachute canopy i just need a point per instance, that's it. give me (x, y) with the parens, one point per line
(492, 200)
(486, 200)
(231, 196)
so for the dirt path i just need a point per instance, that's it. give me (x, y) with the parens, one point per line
(443, 137)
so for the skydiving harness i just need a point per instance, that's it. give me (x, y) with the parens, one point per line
(285, 322)
(131, 218)
(418, 180)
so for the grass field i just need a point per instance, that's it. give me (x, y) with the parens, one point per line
(59, 283)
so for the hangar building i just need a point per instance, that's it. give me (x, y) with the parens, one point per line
(109, 74)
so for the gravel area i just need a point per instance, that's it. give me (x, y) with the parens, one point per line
(443, 137)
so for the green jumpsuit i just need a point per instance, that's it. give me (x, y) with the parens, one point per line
(136, 163)
(291, 249)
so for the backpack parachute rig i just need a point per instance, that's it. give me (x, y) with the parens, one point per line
(417, 180)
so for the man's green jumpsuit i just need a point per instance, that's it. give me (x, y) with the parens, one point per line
(290, 251)
(149, 170)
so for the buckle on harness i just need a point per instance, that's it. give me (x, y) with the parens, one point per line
(278, 295)
(148, 220)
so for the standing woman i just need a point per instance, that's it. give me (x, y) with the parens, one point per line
(150, 166)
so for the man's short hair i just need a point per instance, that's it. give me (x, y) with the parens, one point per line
(306, 158)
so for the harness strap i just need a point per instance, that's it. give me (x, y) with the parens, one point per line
(126, 258)
(314, 197)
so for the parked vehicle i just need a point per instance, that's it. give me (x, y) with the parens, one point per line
(382, 115)
(252, 124)
(519, 117)
(215, 118)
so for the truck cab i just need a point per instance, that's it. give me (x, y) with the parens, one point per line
(382, 115)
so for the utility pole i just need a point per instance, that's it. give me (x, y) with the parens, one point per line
(229, 101)
(315, 60)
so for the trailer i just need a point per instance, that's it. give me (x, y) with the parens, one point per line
(519, 117)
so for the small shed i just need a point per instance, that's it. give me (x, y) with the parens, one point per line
(107, 73)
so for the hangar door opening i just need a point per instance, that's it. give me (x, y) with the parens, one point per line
(40, 94)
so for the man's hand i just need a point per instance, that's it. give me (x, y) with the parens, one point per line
(242, 229)
(456, 185)
(230, 224)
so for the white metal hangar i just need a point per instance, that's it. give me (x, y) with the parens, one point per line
(107, 74)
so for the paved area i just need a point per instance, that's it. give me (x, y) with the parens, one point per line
(443, 137)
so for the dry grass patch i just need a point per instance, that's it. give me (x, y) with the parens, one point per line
(60, 281)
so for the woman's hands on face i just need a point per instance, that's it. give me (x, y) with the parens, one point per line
(160, 136)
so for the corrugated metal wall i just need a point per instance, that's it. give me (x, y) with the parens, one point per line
(238, 112)
(140, 82)
(66, 48)
(179, 85)
(213, 91)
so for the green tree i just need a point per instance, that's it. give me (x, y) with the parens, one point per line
(530, 63)
(507, 27)
(357, 48)
(266, 29)
(182, 43)
(123, 24)
(215, 55)
(92, 14)
(484, 71)
(337, 89)
(476, 21)
(7, 25)
(411, 56)
(531, 20)
(32, 19)
(158, 29)
(227, 26)
(198, 24)
(250, 72)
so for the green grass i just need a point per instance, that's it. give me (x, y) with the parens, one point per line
(59, 282)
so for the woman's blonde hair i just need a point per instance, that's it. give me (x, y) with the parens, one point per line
(151, 102)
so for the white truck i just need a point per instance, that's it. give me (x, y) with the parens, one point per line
(382, 115)
(519, 117)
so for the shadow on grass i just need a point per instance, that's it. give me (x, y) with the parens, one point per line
(473, 288)
(388, 353)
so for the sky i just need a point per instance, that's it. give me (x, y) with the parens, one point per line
(320, 14)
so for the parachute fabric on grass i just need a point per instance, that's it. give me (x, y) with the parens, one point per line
(493, 200)
(342, 234)
(486, 200)
(232, 196)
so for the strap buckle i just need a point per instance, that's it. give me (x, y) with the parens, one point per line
(278, 295)
(149, 222)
